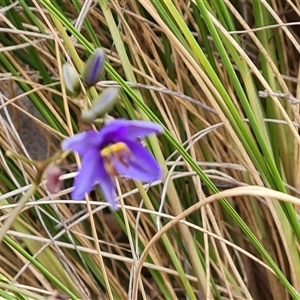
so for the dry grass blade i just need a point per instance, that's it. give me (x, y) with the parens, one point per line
(103, 254)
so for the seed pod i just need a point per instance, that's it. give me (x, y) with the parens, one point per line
(53, 183)
(94, 67)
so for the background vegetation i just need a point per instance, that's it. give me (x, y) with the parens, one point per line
(222, 78)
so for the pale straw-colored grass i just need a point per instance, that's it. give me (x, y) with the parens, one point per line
(98, 254)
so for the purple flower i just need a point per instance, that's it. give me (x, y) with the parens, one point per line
(113, 151)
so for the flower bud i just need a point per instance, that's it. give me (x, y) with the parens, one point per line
(94, 67)
(102, 105)
(88, 116)
(53, 183)
(71, 79)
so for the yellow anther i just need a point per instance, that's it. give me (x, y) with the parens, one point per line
(110, 169)
(118, 151)
(114, 149)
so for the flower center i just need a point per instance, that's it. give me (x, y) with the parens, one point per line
(118, 151)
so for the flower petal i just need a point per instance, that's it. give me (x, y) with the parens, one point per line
(82, 142)
(142, 165)
(137, 129)
(121, 129)
(92, 171)
(108, 189)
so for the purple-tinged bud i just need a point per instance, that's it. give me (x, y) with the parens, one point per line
(94, 67)
(53, 183)
(102, 105)
(71, 79)
(105, 101)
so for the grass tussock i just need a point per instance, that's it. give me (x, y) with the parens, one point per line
(222, 78)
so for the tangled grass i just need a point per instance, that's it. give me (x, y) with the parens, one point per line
(222, 78)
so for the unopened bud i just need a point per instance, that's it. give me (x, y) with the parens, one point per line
(88, 116)
(53, 183)
(94, 67)
(71, 79)
(102, 105)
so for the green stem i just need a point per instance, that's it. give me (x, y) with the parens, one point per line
(15, 213)
(39, 266)
(171, 191)
(14, 289)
